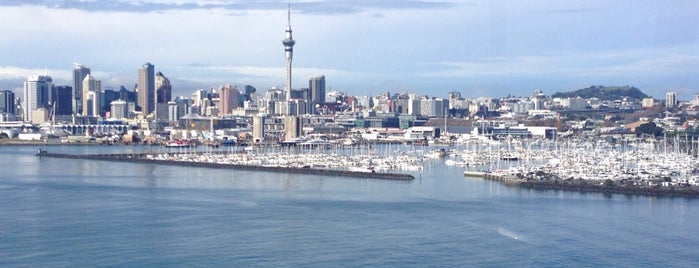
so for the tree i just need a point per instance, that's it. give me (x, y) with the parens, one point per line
(649, 128)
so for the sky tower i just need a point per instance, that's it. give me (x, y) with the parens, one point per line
(289, 51)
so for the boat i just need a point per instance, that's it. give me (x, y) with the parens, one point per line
(469, 173)
(179, 143)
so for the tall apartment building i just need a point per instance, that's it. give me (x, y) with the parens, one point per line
(670, 99)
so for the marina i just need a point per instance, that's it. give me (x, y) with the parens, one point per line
(643, 167)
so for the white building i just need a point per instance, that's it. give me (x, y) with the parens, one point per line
(36, 94)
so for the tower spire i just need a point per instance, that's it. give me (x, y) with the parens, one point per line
(289, 53)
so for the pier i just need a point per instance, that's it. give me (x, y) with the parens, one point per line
(142, 158)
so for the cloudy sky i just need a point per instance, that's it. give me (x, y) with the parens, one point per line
(480, 48)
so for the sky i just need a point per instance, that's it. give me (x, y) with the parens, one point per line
(363, 47)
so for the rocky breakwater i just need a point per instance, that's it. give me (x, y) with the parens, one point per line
(143, 159)
(598, 186)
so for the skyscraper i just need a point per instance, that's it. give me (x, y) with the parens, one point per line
(7, 102)
(289, 52)
(79, 73)
(146, 88)
(230, 97)
(62, 100)
(163, 88)
(36, 94)
(316, 88)
(163, 91)
(91, 96)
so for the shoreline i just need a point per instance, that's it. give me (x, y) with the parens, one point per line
(141, 158)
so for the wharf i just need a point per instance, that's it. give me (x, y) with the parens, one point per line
(142, 158)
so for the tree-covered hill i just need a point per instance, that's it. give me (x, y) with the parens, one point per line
(603, 93)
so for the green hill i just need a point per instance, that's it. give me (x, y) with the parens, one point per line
(603, 93)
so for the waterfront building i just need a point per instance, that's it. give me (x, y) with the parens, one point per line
(670, 99)
(91, 96)
(7, 102)
(146, 88)
(316, 88)
(36, 94)
(288, 43)
(62, 98)
(79, 73)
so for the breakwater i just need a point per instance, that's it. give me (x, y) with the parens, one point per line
(142, 158)
(596, 186)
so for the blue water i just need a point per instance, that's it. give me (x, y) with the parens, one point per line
(76, 213)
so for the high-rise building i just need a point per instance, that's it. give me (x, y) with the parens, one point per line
(91, 96)
(146, 88)
(36, 94)
(163, 91)
(316, 88)
(670, 99)
(289, 53)
(7, 102)
(79, 73)
(163, 88)
(62, 98)
(119, 109)
(230, 98)
(107, 96)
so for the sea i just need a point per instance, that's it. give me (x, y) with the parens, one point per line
(83, 213)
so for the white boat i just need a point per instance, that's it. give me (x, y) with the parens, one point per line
(179, 143)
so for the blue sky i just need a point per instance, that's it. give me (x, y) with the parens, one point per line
(480, 48)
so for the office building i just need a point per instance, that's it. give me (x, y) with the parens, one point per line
(79, 73)
(62, 98)
(316, 88)
(229, 98)
(146, 88)
(7, 102)
(91, 96)
(36, 94)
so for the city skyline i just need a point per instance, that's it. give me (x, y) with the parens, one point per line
(363, 48)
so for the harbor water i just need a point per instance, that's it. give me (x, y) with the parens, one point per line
(77, 213)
